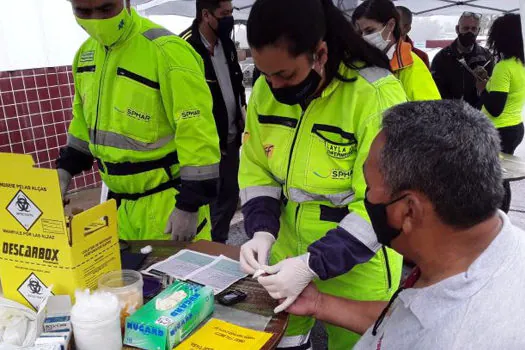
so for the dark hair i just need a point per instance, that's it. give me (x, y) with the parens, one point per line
(405, 13)
(448, 151)
(210, 5)
(301, 24)
(505, 37)
(378, 10)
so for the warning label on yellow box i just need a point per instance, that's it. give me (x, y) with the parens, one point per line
(41, 248)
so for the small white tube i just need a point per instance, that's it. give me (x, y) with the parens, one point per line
(146, 250)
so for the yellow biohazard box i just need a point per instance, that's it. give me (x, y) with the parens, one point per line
(41, 247)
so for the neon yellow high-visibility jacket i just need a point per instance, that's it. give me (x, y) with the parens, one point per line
(316, 156)
(142, 108)
(413, 73)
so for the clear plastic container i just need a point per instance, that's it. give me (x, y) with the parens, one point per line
(96, 321)
(127, 286)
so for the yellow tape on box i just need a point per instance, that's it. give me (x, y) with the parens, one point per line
(40, 246)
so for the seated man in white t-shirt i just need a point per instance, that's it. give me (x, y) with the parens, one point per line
(434, 186)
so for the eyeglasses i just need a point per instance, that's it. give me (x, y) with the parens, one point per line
(471, 14)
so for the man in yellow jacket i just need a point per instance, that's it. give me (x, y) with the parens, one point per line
(143, 111)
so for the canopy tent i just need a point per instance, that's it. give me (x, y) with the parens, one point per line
(454, 7)
(418, 7)
(187, 7)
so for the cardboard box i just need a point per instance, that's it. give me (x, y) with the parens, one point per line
(58, 314)
(41, 247)
(153, 329)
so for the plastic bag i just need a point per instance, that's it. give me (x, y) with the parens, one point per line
(19, 325)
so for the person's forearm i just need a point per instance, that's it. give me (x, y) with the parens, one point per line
(494, 102)
(337, 253)
(262, 214)
(74, 161)
(194, 194)
(356, 316)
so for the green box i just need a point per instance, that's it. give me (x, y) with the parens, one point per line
(153, 329)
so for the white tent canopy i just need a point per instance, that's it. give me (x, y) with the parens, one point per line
(454, 7)
(418, 7)
(187, 7)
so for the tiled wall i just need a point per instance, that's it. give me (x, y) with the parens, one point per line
(35, 111)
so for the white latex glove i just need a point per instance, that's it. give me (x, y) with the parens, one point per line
(259, 245)
(243, 113)
(287, 279)
(182, 225)
(64, 178)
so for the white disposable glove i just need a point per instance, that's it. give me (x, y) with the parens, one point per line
(64, 178)
(243, 113)
(287, 279)
(182, 225)
(259, 245)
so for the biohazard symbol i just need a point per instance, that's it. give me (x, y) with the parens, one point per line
(34, 286)
(22, 204)
(268, 150)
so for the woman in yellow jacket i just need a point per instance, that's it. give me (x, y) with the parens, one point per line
(378, 22)
(503, 97)
(312, 117)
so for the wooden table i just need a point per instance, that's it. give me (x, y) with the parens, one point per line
(258, 300)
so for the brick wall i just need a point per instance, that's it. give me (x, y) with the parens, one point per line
(35, 112)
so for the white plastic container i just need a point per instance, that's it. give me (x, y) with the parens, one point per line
(127, 286)
(96, 321)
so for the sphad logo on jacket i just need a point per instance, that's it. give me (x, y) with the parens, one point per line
(190, 113)
(335, 174)
(138, 115)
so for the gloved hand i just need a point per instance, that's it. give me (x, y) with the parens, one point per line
(260, 244)
(182, 225)
(64, 178)
(243, 113)
(242, 122)
(288, 279)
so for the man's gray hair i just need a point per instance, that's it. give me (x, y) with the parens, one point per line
(448, 151)
(468, 14)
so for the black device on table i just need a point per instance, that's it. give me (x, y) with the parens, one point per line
(231, 297)
(129, 260)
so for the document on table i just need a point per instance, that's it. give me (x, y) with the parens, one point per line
(219, 274)
(220, 335)
(181, 265)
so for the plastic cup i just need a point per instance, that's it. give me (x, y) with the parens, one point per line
(127, 286)
(97, 326)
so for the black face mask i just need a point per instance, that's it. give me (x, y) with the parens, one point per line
(292, 95)
(224, 26)
(379, 219)
(467, 39)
